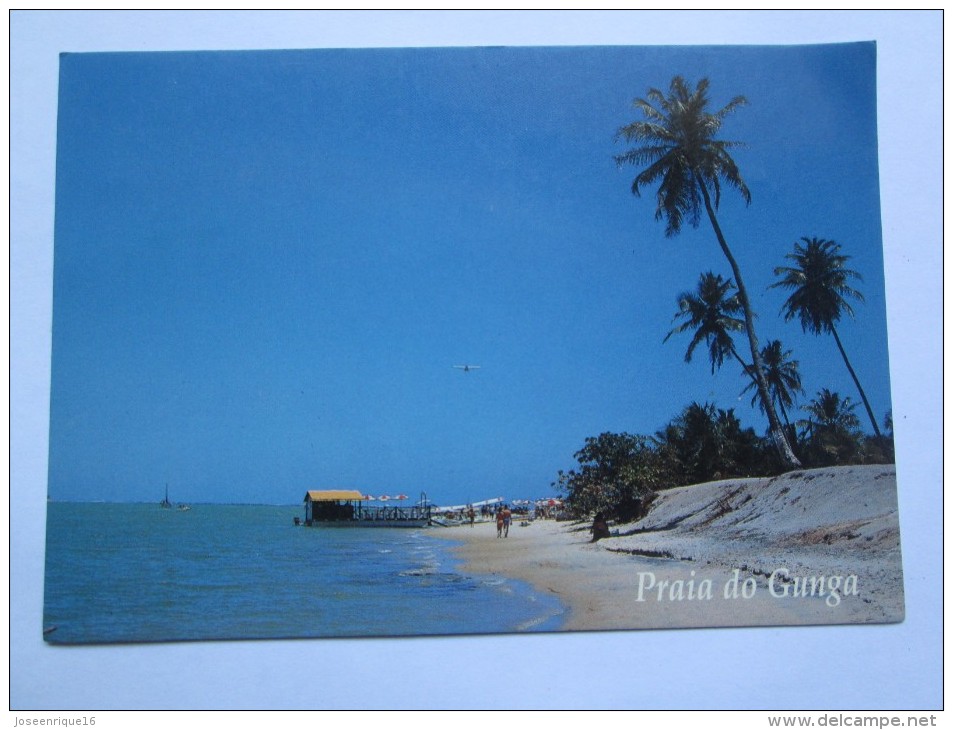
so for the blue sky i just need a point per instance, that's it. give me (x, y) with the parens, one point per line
(266, 263)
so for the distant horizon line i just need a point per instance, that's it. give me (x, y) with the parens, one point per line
(175, 504)
(50, 499)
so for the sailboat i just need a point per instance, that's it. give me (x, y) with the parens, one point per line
(165, 503)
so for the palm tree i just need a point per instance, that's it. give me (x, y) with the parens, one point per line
(678, 145)
(831, 428)
(783, 376)
(704, 443)
(830, 412)
(819, 280)
(711, 312)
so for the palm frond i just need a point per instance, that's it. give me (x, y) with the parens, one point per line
(709, 311)
(643, 155)
(681, 137)
(818, 285)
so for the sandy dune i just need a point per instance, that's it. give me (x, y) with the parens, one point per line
(706, 554)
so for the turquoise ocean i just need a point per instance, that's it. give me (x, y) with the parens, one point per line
(139, 573)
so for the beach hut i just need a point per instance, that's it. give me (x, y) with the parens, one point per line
(345, 508)
(331, 505)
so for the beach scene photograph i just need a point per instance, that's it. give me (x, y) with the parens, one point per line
(447, 341)
(376, 360)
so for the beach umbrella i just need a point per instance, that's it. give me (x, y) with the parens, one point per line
(401, 497)
(369, 498)
(383, 498)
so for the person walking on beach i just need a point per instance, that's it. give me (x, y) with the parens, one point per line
(507, 519)
(471, 514)
(499, 522)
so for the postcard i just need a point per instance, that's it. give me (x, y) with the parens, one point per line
(446, 341)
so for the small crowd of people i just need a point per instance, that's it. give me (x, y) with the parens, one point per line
(504, 517)
(486, 510)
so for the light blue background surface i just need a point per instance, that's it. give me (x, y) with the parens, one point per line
(888, 667)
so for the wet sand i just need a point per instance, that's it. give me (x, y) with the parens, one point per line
(715, 571)
(601, 590)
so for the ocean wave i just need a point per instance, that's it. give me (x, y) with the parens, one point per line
(538, 621)
(415, 572)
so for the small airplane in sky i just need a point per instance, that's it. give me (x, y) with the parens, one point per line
(467, 368)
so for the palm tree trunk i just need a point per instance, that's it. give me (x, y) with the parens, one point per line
(745, 367)
(784, 414)
(863, 396)
(777, 432)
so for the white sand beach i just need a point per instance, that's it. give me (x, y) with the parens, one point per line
(705, 555)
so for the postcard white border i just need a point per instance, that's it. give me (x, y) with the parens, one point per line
(888, 667)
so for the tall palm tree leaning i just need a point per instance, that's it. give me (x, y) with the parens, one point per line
(712, 313)
(678, 145)
(820, 291)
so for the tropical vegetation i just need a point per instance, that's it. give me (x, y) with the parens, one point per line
(832, 430)
(820, 292)
(678, 145)
(619, 474)
(783, 374)
(711, 313)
